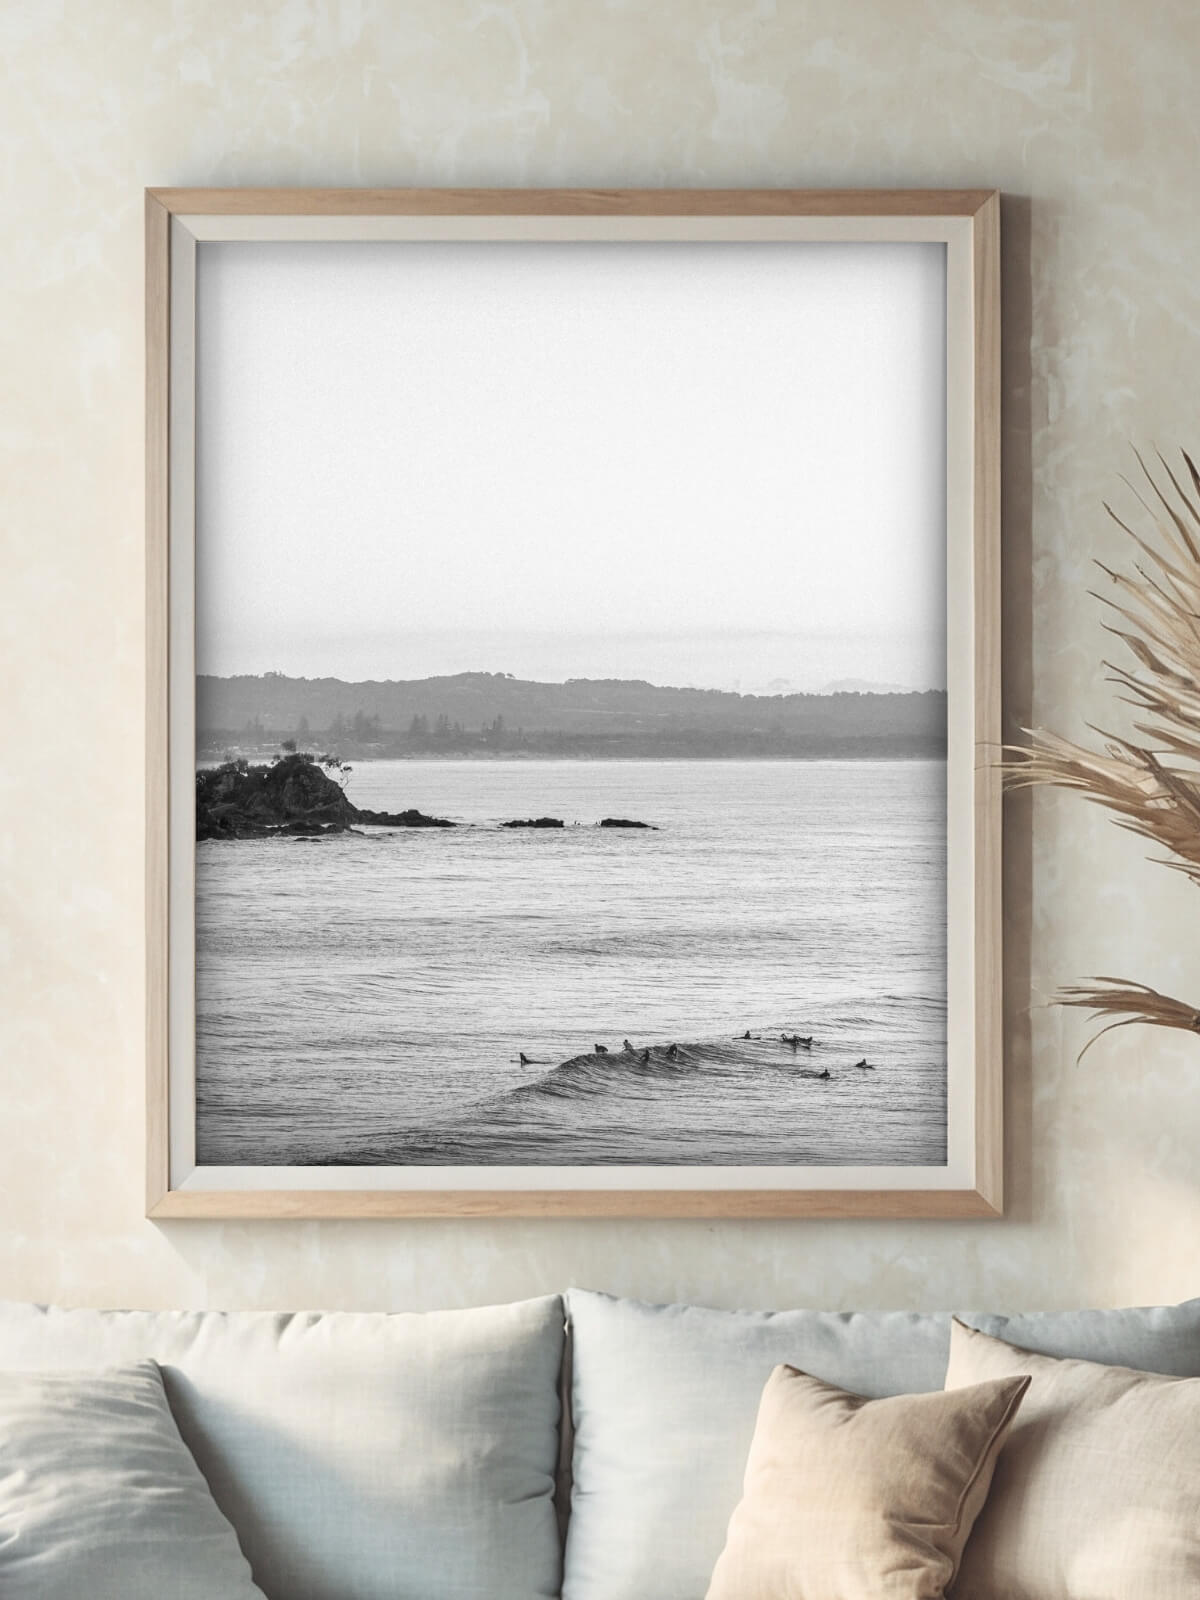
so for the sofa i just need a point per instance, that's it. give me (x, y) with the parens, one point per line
(580, 1445)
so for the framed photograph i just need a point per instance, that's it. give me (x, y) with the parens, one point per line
(573, 665)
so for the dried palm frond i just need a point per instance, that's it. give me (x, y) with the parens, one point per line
(1150, 783)
(1146, 796)
(1130, 1003)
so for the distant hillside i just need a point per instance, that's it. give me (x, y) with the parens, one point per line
(492, 713)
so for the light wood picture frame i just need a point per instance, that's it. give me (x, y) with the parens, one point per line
(186, 228)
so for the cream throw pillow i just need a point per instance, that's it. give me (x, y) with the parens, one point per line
(1097, 1490)
(853, 1499)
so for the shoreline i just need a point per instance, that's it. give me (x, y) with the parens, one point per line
(516, 758)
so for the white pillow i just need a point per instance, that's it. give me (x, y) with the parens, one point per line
(100, 1499)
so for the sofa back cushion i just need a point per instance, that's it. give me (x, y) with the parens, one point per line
(368, 1454)
(664, 1400)
(1147, 1338)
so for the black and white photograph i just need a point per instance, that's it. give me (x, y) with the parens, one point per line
(571, 704)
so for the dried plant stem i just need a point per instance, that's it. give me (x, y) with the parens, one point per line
(1130, 1003)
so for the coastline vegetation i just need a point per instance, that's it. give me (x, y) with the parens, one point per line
(495, 715)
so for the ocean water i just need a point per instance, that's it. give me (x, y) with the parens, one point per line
(365, 999)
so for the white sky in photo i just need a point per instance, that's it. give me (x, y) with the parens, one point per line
(719, 465)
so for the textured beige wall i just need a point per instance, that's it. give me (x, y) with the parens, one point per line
(1085, 115)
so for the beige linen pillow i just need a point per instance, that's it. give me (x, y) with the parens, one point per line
(860, 1499)
(1097, 1490)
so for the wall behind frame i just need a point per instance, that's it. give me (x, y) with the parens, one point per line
(1081, 115)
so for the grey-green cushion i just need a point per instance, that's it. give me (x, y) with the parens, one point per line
(360, 1455)
(100, 1499)
(664, 1400)
(1148, 1338)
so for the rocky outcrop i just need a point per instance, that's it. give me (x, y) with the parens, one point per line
(403, 819)
(295, 797)
(292, 796)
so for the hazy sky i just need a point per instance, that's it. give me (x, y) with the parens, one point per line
(719, 465)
